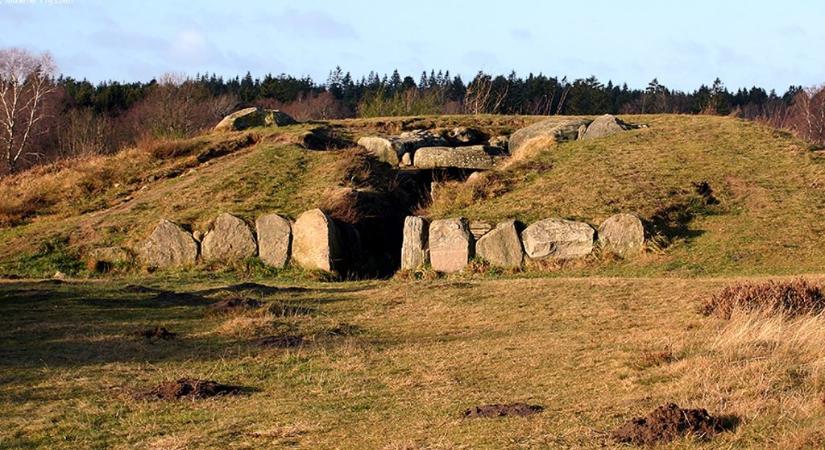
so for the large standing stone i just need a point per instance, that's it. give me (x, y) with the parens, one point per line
(480, 157)
(316, 241)
(414, 246)
(557, 239)
(168, 246)
(553, 129)
(604, 126)
(501, 247)
(229, 240)
(450, 244)
(274, 239)
(622, 234)
(254, 117)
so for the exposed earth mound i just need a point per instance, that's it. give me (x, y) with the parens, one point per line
(666, 423)
(234, 304)
(188, 388)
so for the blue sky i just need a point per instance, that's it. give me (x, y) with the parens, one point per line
(766, 43)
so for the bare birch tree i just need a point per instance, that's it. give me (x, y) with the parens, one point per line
(25, 83)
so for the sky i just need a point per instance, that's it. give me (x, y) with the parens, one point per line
(771, 44)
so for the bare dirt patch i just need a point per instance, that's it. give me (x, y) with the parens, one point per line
(792, 298)
(234, 305)
(508, 410)
(188, 388)
(669, 422)
(158, 333)
(282, 341)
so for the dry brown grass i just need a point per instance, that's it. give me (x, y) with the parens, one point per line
(773, 297)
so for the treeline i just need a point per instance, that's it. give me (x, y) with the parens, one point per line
(85, 118)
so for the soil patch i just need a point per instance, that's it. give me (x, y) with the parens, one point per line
(189, 388)
(669, 422)
(158, 333)
(282, 341)
(509, 410)
(234, 304)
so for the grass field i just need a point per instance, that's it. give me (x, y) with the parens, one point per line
(393, 364)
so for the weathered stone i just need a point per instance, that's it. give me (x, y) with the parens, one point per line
(501, 247)
(104, 258)
(622, 234)
(553, 129)
(168, 246)
(465, 136)
(479, 228)
(229, 240)
(254, 117)
(557, 239)
(474, 177)
(406, 160)
(391, 149)
(414, 246)
(580, 133)
(604, 126)
(472, 157)
(316, 241)
(274, 239)
(501, 142)
(450, 244)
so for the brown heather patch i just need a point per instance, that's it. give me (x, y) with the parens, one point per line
(790, 298)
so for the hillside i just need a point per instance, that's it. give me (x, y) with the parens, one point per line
(757, 213)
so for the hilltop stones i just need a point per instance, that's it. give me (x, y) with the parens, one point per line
(414, 245)
(392, 149)
(316, 241)
(230, 240)
(478, 157)
(168, 246)
(622, 234)
(254, 117)
(274, 239)
(557, 239)
(605, 125)
(547, 129)
(450, 244)
(501, 247)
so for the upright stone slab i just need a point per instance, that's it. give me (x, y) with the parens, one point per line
(557, 239)
(451, 244)
(274, 239)
(501, 247)
(622, 234)
(414, 246)
(229, 240)
(315, 241)
(168, 246)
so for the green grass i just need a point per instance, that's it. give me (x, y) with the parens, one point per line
(411, 357)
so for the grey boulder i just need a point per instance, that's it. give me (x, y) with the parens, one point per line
(274, 239)
(550, 129)
(501, 247)
(557, 239)
(450, 245)
(605, 125)
(169, 245)
(478, 157)
(254, 117)
(622, 234)
(229, 240)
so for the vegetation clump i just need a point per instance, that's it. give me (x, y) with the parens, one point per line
(791, 298)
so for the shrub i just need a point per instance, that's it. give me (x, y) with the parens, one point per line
(773, 297)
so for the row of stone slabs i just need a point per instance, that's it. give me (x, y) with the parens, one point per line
(313, 241)
(449, 244)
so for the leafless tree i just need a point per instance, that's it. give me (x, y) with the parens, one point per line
(481, 98)
(25, 84)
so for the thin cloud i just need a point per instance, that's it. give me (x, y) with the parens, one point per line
(316, 24)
